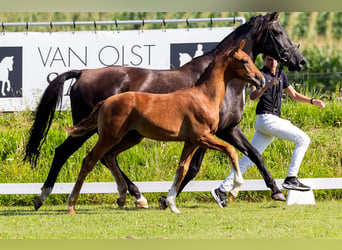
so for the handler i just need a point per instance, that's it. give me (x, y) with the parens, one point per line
(269, 125)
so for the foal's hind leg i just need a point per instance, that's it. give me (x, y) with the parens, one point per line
(87, 166)
(209, 141)
(110, 162)
(187, 154)
(128, 141)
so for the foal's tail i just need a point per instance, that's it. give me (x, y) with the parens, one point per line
(86, 124)
(51, 98)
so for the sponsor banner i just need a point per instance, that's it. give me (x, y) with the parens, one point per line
(26, 59)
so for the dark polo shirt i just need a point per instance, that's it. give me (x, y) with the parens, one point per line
(270, 101)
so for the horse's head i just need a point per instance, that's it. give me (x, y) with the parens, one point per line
(274, 41)
(241, 66)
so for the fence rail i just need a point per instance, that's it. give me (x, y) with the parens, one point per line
(242, 20)
(160, 186)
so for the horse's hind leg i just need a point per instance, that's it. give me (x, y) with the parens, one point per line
(236, 138)
(187, 154)
(62, 153)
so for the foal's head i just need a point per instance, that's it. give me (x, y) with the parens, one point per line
(239, 65)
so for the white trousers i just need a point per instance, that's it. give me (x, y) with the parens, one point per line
(267, 128)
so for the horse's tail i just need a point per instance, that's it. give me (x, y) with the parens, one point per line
(52, 97)
(87, 124)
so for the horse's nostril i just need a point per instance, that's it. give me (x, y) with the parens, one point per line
(302, 63)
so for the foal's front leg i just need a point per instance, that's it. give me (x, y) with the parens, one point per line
(183, 166)
(209, 141)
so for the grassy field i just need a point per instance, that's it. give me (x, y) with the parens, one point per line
(157, 161)
(198, 220)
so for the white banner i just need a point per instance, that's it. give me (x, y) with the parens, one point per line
(26, 59)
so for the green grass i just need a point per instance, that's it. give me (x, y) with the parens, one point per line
(157, 161)
(198, 220)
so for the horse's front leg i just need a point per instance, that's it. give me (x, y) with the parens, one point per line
(187, 154)
(236, 138)
(62, 153)
(194, 168)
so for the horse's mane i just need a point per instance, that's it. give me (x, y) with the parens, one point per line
(242, 29)
(205, 74)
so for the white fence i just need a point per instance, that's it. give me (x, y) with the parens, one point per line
(160, 186)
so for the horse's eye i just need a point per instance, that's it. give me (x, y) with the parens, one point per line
(245, 61)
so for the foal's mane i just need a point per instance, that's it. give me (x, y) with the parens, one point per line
(207, 72)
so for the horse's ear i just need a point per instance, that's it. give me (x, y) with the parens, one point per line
(274, 16)
(242, 44)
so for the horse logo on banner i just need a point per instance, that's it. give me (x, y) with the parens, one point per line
(6, 65)
(182, 53)
(185, 57)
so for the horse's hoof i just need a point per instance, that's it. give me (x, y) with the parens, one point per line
(141, 202)
(162, 203)
(173, 207)
(231, 197)
(121, 202)
(37, 202)
(278, 196)
(175, 210)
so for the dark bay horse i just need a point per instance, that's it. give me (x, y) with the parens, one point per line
(263, 34)
(190, 115)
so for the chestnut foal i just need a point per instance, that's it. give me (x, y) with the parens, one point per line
(190, 115)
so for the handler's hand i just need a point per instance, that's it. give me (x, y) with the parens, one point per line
(274, 81)
(318, 103)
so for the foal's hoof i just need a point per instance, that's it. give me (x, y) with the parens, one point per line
(278, 196)
(121, 202)
(162, 203)
(37, 202)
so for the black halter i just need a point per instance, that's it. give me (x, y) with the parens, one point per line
(282, 60)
